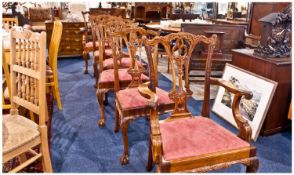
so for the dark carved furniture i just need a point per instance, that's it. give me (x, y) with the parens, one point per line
(151, 11)
(261, 9)
(187, 143)
(275, 38)
(276, 69)
(71, 42)
(110, 11)
(233, 36)
(217, 53)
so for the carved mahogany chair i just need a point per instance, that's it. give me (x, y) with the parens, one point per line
(130, 104)
(103, 56)
(107, 79)
(187, 143)
(28, 84)
(90, 44)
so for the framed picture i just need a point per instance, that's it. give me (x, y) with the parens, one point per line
(255, 109)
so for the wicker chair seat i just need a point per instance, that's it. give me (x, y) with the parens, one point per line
(17, 131)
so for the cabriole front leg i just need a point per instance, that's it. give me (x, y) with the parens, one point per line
(124, 159)
(100, 93)
(86, 58)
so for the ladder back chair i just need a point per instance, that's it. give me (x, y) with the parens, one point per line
(28, 89)
(51, 69)
(107, 77)
(9, 22)
(130, 105)
(187, 143)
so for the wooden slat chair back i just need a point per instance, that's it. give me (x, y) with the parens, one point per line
(52, 70)
(28, 89)
(187, 151)
(9, 22)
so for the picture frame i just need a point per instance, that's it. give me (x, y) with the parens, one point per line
(253, 110)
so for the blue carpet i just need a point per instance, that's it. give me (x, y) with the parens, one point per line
(79, 145)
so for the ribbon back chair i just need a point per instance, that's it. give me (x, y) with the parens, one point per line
(28, 89)
(187, 143)
(129, 104)
(91, 43)
(107, 80)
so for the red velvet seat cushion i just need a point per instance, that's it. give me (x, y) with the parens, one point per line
(125, 63)
(196, 136)
(108, 76)
(108, 53)
(130, 98)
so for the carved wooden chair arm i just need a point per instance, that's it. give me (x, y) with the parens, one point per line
(242, 123)
(155, 136)
(147, 93)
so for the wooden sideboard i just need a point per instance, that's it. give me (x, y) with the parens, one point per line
(276, 69)
(71, 40)
(232, 36)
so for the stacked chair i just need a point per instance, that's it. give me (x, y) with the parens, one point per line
(28, 89)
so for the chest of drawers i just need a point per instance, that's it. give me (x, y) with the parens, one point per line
(71, 40)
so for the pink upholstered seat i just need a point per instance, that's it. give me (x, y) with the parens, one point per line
(108, 76)
(190, 137)
(125, 63)
(130, 98)
(108, 53)
(90, 44)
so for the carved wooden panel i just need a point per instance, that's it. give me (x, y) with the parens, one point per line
(261, 9)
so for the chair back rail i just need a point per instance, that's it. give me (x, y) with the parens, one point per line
(28, 70)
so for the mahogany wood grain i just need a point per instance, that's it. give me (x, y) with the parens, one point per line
(276, 69)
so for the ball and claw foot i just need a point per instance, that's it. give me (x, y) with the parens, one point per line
(101, 123)
(124, 159)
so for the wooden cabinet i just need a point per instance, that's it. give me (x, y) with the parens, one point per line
(151, 11)
(276, 69)
(71, 40)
